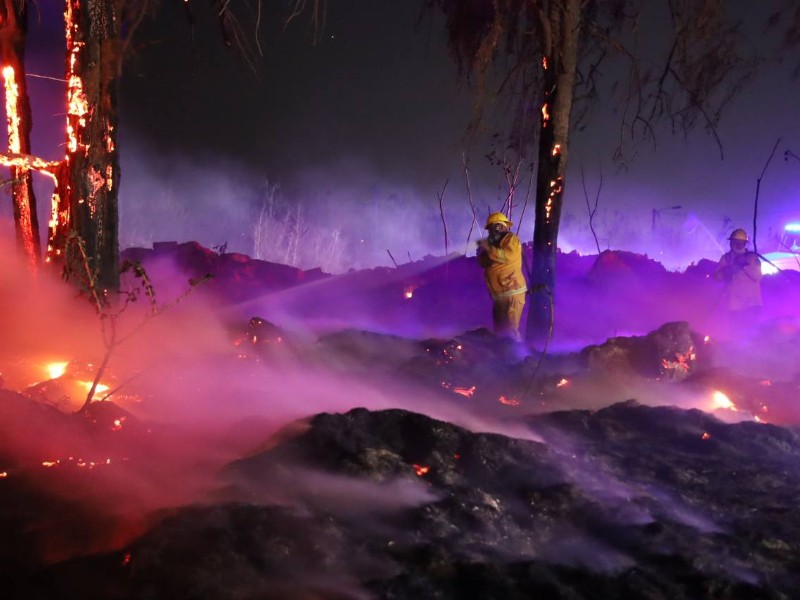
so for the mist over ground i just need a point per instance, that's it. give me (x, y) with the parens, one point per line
(218, 430)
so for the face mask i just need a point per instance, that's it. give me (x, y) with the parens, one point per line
(738, 247)
(495, 236)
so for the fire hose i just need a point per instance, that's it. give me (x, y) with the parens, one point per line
(539, 287)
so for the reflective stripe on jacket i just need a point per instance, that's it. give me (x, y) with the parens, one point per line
(503, 267)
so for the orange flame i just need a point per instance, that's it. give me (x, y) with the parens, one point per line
(720, 400)
(98, 390)
(508, 401)
(564, 381)
(545, 115)
(12, 98)
(56, 369)
(705, 435)
(421, 470)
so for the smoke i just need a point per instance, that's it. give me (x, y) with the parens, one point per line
(347, 214)
(41, 320)
(344, 217)
(197, 404)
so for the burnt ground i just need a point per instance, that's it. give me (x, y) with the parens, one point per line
(432, 460)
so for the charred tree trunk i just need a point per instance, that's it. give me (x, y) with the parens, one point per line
(86, 202)
(559, 62)
(13, 27)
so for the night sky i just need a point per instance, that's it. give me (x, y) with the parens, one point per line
(364, 128)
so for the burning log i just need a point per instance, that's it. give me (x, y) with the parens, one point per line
(670, 352)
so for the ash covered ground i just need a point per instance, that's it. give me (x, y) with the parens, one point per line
(286, 434)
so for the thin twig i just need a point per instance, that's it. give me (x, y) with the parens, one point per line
(789, 154)
(440, 195)
(758, 188)
(394, 262)
(527, 197)
(469, 198)
(591, 210)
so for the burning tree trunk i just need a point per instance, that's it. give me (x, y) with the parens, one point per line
(13, 27)
(559, 63)
(85, 210)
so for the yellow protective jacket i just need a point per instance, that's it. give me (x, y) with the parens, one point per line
(502, 266)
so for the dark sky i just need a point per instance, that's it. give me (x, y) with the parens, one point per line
(371, 119)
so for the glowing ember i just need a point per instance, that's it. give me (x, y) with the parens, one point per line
(3, 474)
(545, 115)
(682, 362)
(408, 293)
(421, 470)
(720, 400)
(463, 391)
(446, 354)
(56, 369)
(78, 462)
(466, 392)
(765, 382)
(508, 401)
(706, 435)
(707, 339)
(564, 381)
(126, 560)
(117, 425)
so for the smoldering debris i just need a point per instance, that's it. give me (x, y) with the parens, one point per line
(518, 513)
(401, 462)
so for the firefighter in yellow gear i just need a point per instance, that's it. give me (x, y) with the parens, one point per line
(500, 255)
(740, 270)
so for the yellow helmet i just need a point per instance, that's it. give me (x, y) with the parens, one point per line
(739, 234)
(497, 217)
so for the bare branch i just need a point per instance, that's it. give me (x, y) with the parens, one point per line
(440, 196)
(469, 197)
(758, 187)
(590, 209)
(394, 262)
